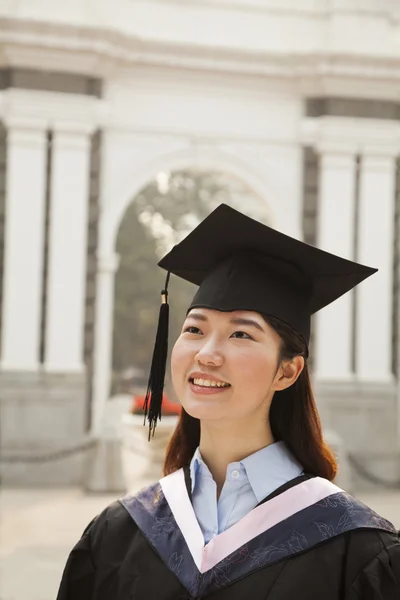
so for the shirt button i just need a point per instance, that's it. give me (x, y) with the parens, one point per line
(235, 474)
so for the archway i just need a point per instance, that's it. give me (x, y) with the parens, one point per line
(163, 213)
(108, 259)
(205, 158)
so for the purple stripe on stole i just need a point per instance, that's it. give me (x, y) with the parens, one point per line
(298, 533)
(152, 514)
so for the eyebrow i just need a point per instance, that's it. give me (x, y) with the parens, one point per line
(235, 321)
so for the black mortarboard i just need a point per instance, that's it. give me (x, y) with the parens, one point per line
(241, 264)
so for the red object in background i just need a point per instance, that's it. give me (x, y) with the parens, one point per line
(168, 407)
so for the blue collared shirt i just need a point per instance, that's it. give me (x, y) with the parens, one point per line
(247, 483)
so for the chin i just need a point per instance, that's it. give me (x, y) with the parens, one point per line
(201, 412)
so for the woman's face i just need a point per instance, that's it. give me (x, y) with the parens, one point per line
(224, 365)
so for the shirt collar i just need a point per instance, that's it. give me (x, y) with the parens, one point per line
(194, 466)
(269, 468)
(266, 470)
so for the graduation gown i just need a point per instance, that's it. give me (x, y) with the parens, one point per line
(308, 540)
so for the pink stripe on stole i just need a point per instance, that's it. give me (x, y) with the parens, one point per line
(257, 521)
(264, 517)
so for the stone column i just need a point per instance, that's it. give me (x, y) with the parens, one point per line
(107, 267)
(336, 234)
(24, 244)
(67, 249)
(375, 248)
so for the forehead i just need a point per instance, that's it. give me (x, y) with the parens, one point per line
(211, 314)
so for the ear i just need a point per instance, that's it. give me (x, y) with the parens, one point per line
(288, 372)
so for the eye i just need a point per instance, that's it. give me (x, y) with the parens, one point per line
(241, 335)
(192, 329)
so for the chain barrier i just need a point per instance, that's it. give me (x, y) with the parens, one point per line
(54, 455)
(364, 473)
(64, 453)
(91, 442)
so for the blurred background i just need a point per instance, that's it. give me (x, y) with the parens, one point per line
(122, 125)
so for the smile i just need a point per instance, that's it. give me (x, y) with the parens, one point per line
(209, 383)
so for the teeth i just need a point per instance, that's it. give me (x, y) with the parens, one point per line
(209, 383)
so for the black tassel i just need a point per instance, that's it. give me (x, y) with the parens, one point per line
(155, 387)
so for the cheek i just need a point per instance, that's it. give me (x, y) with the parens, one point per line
(175, 363)
(180, 361)
(256, 370)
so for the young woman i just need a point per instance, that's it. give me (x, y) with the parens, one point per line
(247, 507)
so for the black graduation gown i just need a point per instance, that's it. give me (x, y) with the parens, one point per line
(335, 548)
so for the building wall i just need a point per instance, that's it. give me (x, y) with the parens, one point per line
(3, 168)
(266, 27)
(312, 127)
(50, 198)
(356, 338)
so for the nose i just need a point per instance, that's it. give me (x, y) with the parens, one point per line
(209, 355)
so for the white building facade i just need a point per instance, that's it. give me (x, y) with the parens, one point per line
(297, 98)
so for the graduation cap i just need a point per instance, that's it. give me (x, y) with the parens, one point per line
(241, 264)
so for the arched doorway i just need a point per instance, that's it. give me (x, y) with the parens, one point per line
(161, 214)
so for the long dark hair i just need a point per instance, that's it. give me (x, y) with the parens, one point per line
(293, 416)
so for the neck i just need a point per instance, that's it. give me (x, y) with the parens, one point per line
(220, 446)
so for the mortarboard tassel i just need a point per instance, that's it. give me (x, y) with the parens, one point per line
(155, 387)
